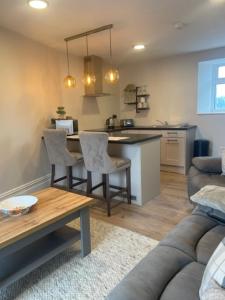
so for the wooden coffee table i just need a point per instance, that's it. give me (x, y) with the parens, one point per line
(28, 241)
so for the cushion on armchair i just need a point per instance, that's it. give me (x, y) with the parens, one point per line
(208, 164)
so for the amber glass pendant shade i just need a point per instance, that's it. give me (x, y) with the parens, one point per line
(69, 81)
(112, 76)
(89, 79)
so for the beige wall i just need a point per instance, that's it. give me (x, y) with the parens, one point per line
(30, 91)
(172, 84)
(31, 85)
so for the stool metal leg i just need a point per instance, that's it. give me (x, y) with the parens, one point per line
(52, 175)
(104, 185)
(89, 182)
(68, 178)
(107, 188)
(128, 182)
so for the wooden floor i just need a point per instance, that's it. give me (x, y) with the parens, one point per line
(157, 217)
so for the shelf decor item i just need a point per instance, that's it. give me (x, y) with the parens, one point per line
(16, 206)
(61, 112)
(142, 96)
(130, 94)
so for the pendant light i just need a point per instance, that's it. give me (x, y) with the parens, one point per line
(69, 81)
(112, 75)
(89, 78)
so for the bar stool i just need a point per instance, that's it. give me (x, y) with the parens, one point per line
(58, 154)
(96, 159)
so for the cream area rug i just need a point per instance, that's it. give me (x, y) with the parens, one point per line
(115, 251)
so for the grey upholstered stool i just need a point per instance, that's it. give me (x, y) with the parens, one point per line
(96, 159)
(58, 154)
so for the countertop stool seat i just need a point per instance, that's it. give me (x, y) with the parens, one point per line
(58, 154)
(96, 159)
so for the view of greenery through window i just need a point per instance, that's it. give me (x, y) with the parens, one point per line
(220, 89)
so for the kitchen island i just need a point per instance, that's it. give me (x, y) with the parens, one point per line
(144, 152)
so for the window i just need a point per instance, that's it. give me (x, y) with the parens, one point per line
(211, 86)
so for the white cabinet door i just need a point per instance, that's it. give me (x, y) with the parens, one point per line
(173, 151)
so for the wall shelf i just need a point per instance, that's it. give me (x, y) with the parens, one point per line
(141, 99)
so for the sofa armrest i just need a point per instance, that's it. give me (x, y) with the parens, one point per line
(208, 164)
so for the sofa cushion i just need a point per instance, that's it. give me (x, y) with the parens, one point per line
(188, 234)
(214, 292)
(197, 180)
(208, 164)
(185, 284)
(211, 196)
(151, 276)
(174, 269)
(208, 242)
(212, 213)
(215, 269)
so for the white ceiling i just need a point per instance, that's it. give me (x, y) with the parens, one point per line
(147, 21)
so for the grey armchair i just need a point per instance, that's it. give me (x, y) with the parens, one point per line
(204, 171)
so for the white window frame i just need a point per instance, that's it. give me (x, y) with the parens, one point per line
(206, 88)
(216, 80)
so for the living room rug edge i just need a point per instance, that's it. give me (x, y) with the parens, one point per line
(115, 251)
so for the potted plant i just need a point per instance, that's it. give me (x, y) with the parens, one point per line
(61, 112)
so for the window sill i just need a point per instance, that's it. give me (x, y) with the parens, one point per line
(211, 113)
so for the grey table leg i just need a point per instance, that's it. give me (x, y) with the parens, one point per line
(85, 231)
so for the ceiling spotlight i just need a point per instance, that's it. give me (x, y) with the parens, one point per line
(38, 4)
(179, 25)
(139, 47)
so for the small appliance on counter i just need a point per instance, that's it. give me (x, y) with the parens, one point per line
(70, 125)
(127, 123)
(111, 122)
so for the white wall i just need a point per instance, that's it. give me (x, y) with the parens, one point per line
(172, 84)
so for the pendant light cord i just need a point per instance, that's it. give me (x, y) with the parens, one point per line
(110, 43)
(67, 56)
(87, 45)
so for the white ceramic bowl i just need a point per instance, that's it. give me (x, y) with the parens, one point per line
(16, 206)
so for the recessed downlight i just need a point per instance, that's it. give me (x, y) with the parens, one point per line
(139, 47)
(38, 4)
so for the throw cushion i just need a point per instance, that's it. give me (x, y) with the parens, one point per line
(213, 292)
(212, 196)
(223, 160)
(215, 270)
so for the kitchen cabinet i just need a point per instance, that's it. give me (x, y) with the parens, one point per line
(176, 148)
(172, 151)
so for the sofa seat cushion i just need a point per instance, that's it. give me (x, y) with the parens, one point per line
(151, 276)
(187, 235)
(185, 284)
(207, 244)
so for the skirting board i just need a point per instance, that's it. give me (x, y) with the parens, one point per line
(28, 187)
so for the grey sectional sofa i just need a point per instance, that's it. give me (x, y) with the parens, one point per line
(174, 269)
(204, 171)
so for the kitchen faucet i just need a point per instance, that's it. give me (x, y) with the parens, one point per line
(163, 123)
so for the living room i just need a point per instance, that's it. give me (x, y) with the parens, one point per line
(164, 91)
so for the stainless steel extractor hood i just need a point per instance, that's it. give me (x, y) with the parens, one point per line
(94, 65)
